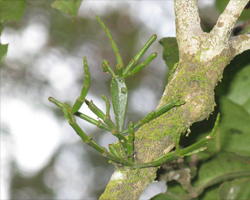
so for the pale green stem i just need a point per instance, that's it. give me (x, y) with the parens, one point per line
(139, 67)
(80, 100)
(106, 68)
(98, 123)
(112, 42)
(142, 51)
(157, 113)
(130, 145)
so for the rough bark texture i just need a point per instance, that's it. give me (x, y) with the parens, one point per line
(203, 57)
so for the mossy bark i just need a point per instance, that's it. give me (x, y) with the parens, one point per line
(193, 82)
(203, 57)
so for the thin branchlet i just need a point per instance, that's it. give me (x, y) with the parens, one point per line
(142, 51)
(112, 42)
(78, 103)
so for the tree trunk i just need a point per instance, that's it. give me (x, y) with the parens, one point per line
(203, 57)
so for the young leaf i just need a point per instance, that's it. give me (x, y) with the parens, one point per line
(210, 193)
(232, 70)
(174, 192)
(239, 88)
(11, 10)
(119, 96)
(234, 127)
(246, 105)
(69, 7)
(3, 52)
(236, 189)
(225, 166)
(170, 51)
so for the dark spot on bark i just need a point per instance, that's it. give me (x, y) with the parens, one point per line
(220, 24)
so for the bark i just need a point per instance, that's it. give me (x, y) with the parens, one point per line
(203, 57)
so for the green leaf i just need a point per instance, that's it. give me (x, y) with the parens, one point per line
(11, 10)
(235, 127)
(174, 192)
(3, 52)
(170, 51)
(168, 195)
(1, 27)
(119, 97)
(236, 189)
(210, 194)
(239, 91)
(69, 7)
(222, 167)
(247, 106)
(236, 65)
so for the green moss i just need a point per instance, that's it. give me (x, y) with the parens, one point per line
(192, 79)
(128, 185)
(110, 190)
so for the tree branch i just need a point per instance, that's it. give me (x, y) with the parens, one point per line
(203, 57)
(187, 25)
(228, 19)
(240, 43)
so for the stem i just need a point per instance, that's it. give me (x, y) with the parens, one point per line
(106, 68)
(188, 25)
(112, 42)
(86, 139)
(130, 145)
(119, 69)
(133, 62)
(139, 67)
(78, 103)
(156, 113)
(99, 124)
(228, 18)
(107, 104)
(107, 121)
(113, 151)
(240, 43)
(100, 114)
(56, 102)
(122, 139)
